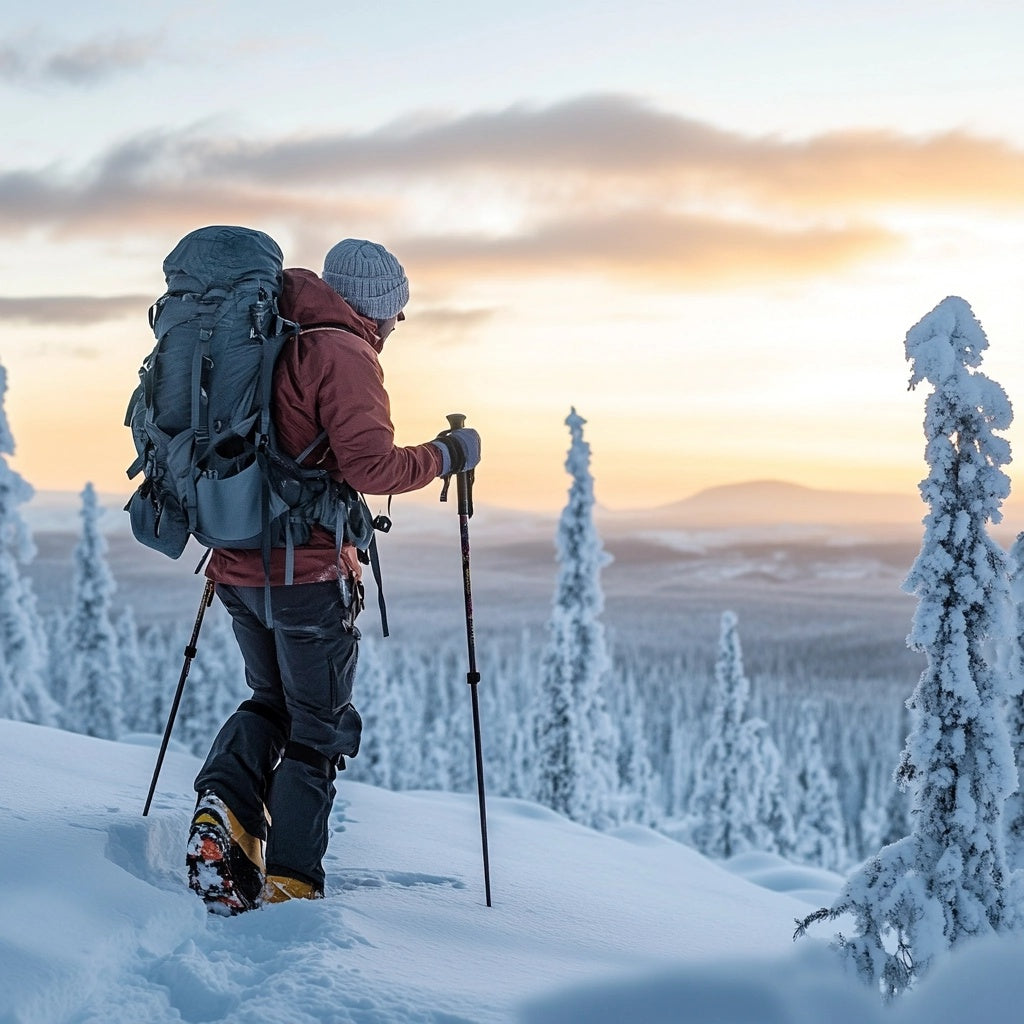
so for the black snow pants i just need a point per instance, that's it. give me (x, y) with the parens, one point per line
(277, 756)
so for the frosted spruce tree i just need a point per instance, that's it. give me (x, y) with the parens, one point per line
(135, 685)
(639, 786)
(506, 710)
(161, 659)
(771, 783)
(738, 764)
(521, 770)
(576, 755)
(94, 685)
(1014, 655)
(385, 730)
(817, 813)
(215, 685)
(442, 734)
(946, 882)
(23, 656)
(681, 771)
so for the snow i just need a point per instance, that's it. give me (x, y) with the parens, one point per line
(98, 925)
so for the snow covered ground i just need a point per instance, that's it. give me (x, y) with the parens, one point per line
(98, 926)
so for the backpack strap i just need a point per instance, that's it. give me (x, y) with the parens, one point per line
(268, 355)
(201, 365)
(265, 535)
(374, 559)
(305, 453)
(200, 389)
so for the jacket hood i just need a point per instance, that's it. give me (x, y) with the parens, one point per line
(311, 302)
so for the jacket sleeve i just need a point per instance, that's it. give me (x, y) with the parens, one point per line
(355, 410)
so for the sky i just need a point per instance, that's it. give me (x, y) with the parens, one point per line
(646, 927)
(708, 228)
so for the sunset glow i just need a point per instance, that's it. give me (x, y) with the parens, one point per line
(707, 231)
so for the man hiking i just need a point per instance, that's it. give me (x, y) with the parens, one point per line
(265, 791)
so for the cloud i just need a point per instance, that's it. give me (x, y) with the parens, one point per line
(651, 249)
(13, 65)
(87, 63)
(448, 327)
(153, 184)
(71, 310)
(618, 139)
(601, 184)
(91, 62)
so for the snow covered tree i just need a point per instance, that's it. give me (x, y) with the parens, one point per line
(946, 882)
(94, 682)
(1014, 656)
(817, 814)
(520, 716)
(215, 685)
(681, 772)
(738, 765)
(447, 741)
(378, 700)
(161, 664)
(775, 830)
(639, 786)
(898, 802)
(134, 689)
(23, 656)
(506, 712)
(576, 755)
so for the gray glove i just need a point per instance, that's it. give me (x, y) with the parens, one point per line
(460, 450)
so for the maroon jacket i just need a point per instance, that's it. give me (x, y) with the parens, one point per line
(329, 378)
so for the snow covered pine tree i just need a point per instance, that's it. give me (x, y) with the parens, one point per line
(93, 702)
(23, 691)
(576, 759)
(737, 773)
(817, 813)
(947, 881)
(1014, 656)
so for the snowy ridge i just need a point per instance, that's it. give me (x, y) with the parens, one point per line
(98, 924)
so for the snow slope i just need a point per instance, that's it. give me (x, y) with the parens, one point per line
(98, 926)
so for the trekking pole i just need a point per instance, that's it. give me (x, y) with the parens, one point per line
(190, 653)
(464, 484)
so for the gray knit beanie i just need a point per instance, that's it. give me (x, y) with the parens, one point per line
(368, 277)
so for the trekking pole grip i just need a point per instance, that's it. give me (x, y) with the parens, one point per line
(464, 480)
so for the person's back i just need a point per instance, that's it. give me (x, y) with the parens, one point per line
(329, 379)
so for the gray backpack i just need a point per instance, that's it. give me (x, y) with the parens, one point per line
(200, 417)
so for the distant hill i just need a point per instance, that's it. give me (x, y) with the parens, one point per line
(754, 503)
(762, 502)
(60, 512)
(776, 503)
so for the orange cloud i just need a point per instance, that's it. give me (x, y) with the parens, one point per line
(601, 184)
(616, 144)
(57, 310)
(649, 247)
(612, 139)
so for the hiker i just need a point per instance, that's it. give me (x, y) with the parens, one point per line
(265, 792)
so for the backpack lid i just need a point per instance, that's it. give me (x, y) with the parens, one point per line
(223, 255)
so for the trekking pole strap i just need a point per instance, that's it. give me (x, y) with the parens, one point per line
(375, 567)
